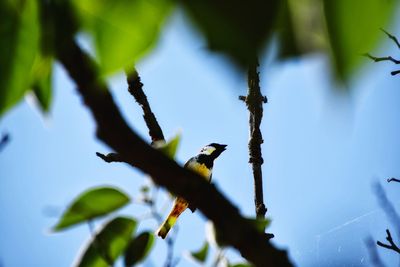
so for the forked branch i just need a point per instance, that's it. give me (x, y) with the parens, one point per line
(387, 58)
(392, 245)
(113, 130)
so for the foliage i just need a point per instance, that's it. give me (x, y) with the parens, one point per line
(350, 37)
(201, 254)
(108, 244)
(138, 248)
(125, 31)
(92, 204)
(19, 45)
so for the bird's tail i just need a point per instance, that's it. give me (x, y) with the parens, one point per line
(179, 206)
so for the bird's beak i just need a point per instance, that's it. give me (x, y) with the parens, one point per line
(223, 147)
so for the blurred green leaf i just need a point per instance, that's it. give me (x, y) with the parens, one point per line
(240, 265)
(353, 28)
(41, 83)
(237, 28)
(171, 146)
(108, 244)
(139, 248)
(91, 204)
(201, 255)
(300, 28)
(123, 30)
(260, 223)
(19, 43)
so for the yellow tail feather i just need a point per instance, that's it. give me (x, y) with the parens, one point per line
(179, 206)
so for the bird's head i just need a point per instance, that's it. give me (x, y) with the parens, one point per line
(213, 150)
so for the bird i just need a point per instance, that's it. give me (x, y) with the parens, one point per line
(202, 163)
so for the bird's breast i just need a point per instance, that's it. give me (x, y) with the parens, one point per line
(200, 168)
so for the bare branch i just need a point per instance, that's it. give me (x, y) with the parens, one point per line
(114, 131)
(110, 157)
(4, 140)
(378, 59)
(391, 245)
(387, 206)
(393, 180)
(395, 72)
(392, 37)
(135, 87)
(254, 101)
(373, 253)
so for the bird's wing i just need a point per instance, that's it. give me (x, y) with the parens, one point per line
(191, 207)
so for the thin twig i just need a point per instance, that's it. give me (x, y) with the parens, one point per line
(391, 245)
(373, 253)
(110, 157)
(4, 140)
(395, 72)
(254, 102)
(393, 180)
(135, 88)
(387, 206)
(391, 213)
(113, 130)
(378, 59)
(392, 37)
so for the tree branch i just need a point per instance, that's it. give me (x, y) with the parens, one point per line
(114, 131)
(254, 101)
(391, 245)
(395, 72)
(110, 157)
(378, 59)
(388, 58)
(4, 140)
(387, 206)
(392, 37)
(393, 180)
(135, 88)
(373, 253)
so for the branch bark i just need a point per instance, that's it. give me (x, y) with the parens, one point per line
(254, 102)
(393, 180)
(135, 88)
(392, 245)
(114, 131)
(4, 140)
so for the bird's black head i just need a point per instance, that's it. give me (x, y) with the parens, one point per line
(213, 150)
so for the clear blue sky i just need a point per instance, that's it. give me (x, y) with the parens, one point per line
(322, 150)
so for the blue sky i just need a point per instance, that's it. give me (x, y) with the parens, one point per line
(323, 150)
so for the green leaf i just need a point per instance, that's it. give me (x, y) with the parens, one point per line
(260, 224)
(19, 43)
(171, 146)
(108, 244)
(91, 204)
(240, 265)
(41, 84)
(237, 28)
(201, 255)
(123, 30)
(300, 28)
(139, 248)
(353, 28)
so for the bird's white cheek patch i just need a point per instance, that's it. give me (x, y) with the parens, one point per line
(208, 150)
